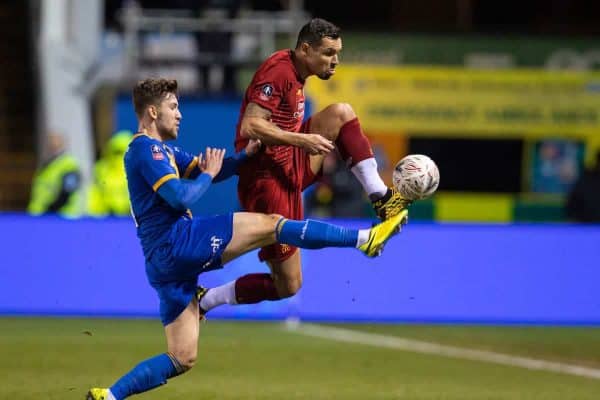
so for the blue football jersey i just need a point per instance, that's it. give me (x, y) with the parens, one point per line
(149, 163)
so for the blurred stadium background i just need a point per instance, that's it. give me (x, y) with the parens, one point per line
(491, 292)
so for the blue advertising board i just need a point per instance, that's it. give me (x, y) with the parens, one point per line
(429, 273)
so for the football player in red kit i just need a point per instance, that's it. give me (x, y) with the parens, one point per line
(272, 111)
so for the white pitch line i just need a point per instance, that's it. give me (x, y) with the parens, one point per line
(417, 346)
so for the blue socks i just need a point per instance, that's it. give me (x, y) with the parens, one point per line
(146, 375)
(311, 234)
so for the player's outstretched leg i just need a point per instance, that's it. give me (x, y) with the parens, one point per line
(311, 234)
(305, 234)
(355, 147)
(381, 233)
(338, 122)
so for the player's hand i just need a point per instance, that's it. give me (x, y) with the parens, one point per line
(212, 161)
(316, 144)
(253, 147)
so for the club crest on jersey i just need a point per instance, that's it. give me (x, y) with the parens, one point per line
(266, 92)
(157, 153)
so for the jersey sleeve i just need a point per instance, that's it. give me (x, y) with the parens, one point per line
(187, 163)
(154, 165)
(268, 88)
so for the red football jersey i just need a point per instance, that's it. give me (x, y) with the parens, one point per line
(277, 87)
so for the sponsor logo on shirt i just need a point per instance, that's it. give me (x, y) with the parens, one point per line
(157, 153)
(266, 92)
(215, 243)
(299, 114)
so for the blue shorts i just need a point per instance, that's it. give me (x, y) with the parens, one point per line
(194, 246)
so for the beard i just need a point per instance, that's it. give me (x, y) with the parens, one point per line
(163, 131)
(327, 74)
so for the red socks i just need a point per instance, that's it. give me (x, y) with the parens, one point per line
(253, 288)
(352, 143)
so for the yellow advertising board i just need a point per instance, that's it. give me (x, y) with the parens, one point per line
(461, 102)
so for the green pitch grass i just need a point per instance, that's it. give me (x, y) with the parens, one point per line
(43, 359)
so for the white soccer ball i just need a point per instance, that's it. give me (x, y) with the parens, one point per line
(416, 177)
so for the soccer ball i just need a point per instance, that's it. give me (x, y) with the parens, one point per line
(416, 177)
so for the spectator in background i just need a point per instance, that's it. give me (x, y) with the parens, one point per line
(556, 165)
(108, 193)
(338, 193)
(57, 183)
(583, 201)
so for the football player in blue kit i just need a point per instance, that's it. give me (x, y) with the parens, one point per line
(164, 182)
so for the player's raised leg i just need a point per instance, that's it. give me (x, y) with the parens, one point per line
(253, 230)
(339, 123)
(182, 349)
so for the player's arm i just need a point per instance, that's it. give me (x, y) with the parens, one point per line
(256, 124)
(230, 167)
(231, 164)
(191, 164)
(183, 194)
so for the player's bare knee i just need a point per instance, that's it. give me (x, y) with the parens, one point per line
(274, 218)
(189, 363)
(342, 111)
(185, 358)
(273, 221)
(265, 229)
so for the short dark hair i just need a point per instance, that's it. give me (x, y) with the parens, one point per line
(315, 30)
(150, 92)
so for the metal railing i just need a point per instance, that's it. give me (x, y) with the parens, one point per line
(265, 27)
